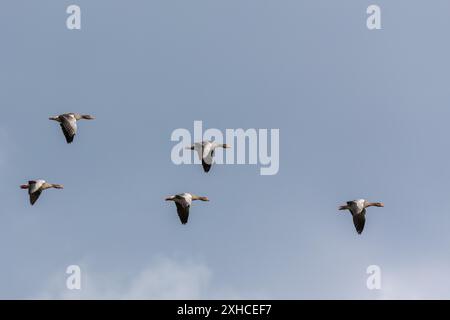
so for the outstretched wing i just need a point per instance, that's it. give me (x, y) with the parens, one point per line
(183, 212)
(69, 127)
(34, 196)
(359, 221)
(206, 165)
(207, 158)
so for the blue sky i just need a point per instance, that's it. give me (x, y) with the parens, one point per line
(362, 114)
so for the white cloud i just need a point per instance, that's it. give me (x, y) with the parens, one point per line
(418, 282)
(174, 279)
(162, 279)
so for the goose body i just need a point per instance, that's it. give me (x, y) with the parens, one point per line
(68, 123)
(358, 210)
(183, 202)
(35, 188)
(205, 151)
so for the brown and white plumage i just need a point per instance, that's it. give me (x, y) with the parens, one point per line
(35, 188)
(183, 201)
(358, 210)
(205, 150)
(68, 123)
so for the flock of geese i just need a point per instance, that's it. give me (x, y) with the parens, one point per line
(183, 201)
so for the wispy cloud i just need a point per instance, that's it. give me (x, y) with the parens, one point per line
(418, 282)
(162, 279)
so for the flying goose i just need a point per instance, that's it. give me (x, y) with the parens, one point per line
(68, 123)
(205, 150)
(358, 210)
(35, 188)
(183, 202)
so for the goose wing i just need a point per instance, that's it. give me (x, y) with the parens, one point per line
(207, 157)
(69, 127)
(359, 220)
(34, 196)
(206, 164)
(183, 212)
(197, 147)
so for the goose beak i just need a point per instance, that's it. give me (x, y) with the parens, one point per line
(24, 186)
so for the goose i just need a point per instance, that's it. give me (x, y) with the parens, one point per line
(68, 123)
(35, 188)
(205, 150)
(183, 202)
(358, 210)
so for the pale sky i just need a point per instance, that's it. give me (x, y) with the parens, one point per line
(361, 114)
